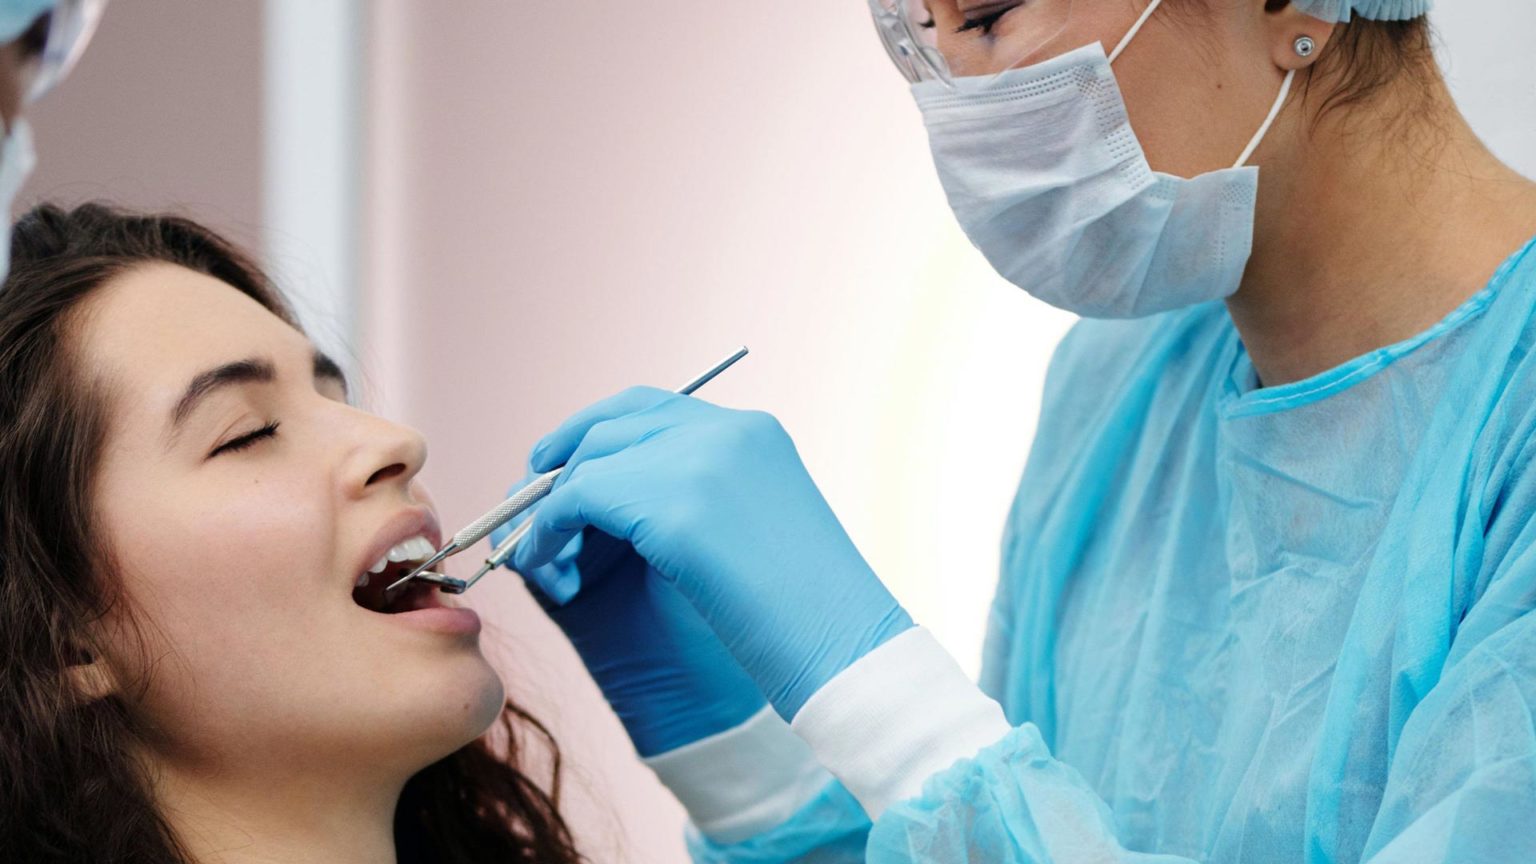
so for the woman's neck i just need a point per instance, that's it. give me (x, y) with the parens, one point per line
(296, 817)
(1372, 226)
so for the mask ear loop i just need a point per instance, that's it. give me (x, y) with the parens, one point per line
(1274, 111)
(1135, 28)
(1285, 90)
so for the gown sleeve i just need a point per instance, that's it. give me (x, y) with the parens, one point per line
(831, 829)
(1461, 787)
(1462, 779)
(755, 794)
(944, 779)
(943, 776)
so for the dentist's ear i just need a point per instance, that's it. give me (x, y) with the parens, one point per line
(90, 680)
(1296, 39)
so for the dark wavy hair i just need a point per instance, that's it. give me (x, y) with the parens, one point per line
(70, 788)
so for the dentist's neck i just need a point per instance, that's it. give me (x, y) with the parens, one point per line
(1372, 225)
(290, 814)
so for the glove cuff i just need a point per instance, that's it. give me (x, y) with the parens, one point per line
(741, 782)
(900, 714)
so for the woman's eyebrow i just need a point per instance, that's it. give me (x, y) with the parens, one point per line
(251, 369)
(325, 367)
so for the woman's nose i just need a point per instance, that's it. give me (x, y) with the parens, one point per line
(385, 453)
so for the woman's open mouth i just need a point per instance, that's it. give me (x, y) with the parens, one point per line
(415, 594)
(370, 590)
(417, 603)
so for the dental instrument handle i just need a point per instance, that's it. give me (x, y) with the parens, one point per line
(525, 498)
(462, 585)
(520, 501)
(501, 555)
(687, 389)
(477, 530)
(469, 536)
(503, 552)
(505, 548)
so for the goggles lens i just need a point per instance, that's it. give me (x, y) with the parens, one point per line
(70, 27)
(944, 40)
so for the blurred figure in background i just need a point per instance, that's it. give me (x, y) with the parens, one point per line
(42, 40)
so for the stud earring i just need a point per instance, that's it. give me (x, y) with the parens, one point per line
(1305, 46)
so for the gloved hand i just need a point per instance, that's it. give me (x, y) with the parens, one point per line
(718, 502)
(658, 664)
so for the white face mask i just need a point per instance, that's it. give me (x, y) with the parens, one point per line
(17, 159)
(1046, 177)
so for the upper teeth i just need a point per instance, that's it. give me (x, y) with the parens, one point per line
(417, 548)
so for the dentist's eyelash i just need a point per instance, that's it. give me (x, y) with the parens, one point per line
(984, 23)
(247, 440)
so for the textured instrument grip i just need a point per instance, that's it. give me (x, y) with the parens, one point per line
(525, 498)
(530, 494)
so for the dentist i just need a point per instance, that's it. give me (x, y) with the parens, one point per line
(1269, 584)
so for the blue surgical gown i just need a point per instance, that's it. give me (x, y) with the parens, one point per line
(1244, 624)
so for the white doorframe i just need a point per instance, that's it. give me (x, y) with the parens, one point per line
(313, 162)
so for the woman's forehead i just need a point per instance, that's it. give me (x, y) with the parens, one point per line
(151, 328)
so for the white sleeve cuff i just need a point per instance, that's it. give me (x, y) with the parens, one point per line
(743, 781)
(900, 714)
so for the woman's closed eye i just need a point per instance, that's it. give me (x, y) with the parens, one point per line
(249, 439)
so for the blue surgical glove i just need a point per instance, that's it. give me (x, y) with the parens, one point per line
(659, 665)
(718, 502)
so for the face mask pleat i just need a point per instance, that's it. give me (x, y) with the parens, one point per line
(1049, 181)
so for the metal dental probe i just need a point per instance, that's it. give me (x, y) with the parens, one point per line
(523, 499)
(499, 556)
(503, 552)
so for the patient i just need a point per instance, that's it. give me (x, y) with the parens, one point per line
(191, 668)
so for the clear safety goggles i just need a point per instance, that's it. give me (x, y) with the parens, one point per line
(944, 40)
(70, 25)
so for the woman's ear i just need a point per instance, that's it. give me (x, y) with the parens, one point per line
(91, 679)
(1296, 39)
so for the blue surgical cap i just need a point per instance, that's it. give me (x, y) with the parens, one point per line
(1381, 10)
(17, 15)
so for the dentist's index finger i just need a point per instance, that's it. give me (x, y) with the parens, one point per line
(555, 449)
(568, 510)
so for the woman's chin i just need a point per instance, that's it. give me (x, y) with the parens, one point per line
(480, 703)
(452, 711)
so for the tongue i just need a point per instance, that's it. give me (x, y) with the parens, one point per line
(371, 596)
(414, 595)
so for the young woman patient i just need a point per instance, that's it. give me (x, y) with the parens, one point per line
(189, 669)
